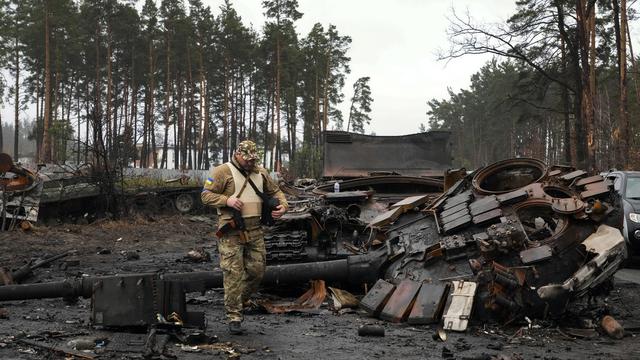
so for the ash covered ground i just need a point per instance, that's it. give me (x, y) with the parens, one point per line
(161, 243)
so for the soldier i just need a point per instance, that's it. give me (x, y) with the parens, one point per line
(237, 189)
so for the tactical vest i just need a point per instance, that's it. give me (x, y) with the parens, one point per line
(252, 202)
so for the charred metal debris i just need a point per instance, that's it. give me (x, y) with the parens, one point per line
(511, 240)
(20, 190)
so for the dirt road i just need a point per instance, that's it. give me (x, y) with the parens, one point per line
(160, 243)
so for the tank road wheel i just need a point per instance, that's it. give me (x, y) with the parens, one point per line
(184, 203)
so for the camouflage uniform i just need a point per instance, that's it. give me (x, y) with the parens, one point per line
(243, 261)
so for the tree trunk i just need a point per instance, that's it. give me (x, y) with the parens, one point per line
(110, 137)
(167, 97)
(233, 138)
(634, 72)
(46, 139)
(565, 106)
(78, 119)
(620, 24)
(277, 111)
(225, 115)
(16, 126)
(586, 94)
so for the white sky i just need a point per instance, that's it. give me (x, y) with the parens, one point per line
(395, 43)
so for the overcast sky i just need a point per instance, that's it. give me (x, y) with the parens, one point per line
(395, 43)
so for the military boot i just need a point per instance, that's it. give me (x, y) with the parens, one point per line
(235, 328)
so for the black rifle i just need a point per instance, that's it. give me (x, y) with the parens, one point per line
(236, 223)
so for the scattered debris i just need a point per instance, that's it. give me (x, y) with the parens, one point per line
(440, 335)
(25, 271)
(371, 330)
(130, 255)
(56, 349)
(310, 300)
(612, 327)
(83, 343)
(342, 299)
(198, 255)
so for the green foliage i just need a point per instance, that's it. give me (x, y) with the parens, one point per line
(174, 72)
(360, 105)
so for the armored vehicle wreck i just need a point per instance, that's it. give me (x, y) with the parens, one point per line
(513, 239)
(516, 238)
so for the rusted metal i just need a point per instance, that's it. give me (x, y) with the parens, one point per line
(612, 327)
(532, 222)
(573, 175)
(567, 206)
(374, 301)
(429, 304)
(399, 305)
(452, 176)
(595, 189)
(355, 155)
(528, 240)
(508, 175)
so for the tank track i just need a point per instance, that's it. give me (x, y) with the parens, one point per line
(286, 246)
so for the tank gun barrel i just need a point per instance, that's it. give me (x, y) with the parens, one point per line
(353, 270)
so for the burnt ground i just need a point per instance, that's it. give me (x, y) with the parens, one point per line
(153, 243)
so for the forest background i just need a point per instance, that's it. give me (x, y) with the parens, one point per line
(114, 84)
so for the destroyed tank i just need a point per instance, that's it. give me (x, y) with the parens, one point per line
(516, 238)
(513, 239)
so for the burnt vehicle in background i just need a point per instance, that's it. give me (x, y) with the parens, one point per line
(627, 184)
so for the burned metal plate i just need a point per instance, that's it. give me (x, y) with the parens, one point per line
(512, 197)
(573, 175)
(377, 297)
(128, 300)
(536, 254)
(493, 215)
(483, 205)
(595, 189)
(454, 216)
(456, 224)
(386, 218)
(398, 306)
(429, 304)
(589, 180)
(347, 196)
(411, 202)
(453, 210)
(464, 197)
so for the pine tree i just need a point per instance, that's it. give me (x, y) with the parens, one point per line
(360, 105)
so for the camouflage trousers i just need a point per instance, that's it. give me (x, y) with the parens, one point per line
(243, 265)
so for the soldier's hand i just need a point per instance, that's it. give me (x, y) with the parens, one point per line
(278, 212)
(234, 202)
